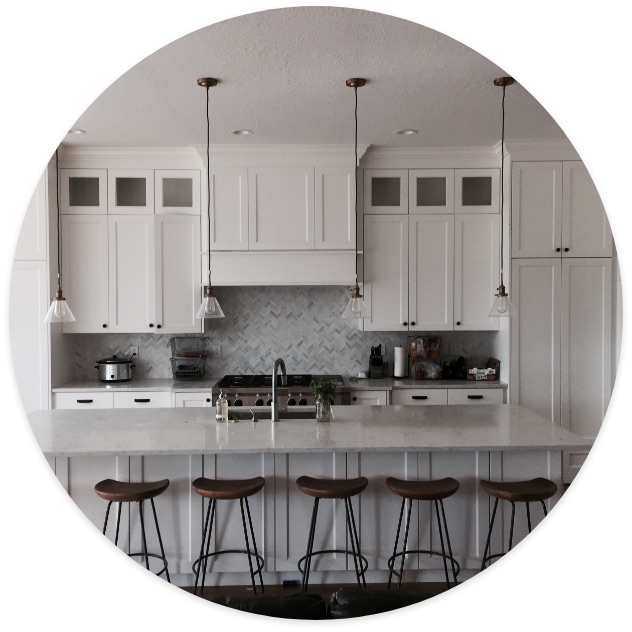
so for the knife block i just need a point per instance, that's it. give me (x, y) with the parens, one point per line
(377, 368)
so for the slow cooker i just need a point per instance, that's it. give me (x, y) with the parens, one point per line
(115, 369)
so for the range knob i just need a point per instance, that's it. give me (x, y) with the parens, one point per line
(259, 402)
(302, 402)
(291, 401)
(238, 402)
(269, 402)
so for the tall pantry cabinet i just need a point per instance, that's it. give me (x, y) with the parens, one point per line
(561, 285)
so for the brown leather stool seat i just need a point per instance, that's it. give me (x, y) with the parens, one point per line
(128, 492)
(330, 489)
(533, 490)
(429, 490)
(228, 489)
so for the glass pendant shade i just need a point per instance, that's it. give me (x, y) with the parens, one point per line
(59, 312)
(502, 305)
(355, 307)
(209, 307)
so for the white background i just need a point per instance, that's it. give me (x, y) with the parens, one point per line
(56, 569)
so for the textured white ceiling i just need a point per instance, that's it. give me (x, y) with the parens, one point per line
(282, 75)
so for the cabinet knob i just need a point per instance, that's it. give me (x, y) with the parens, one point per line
(566, 249)
(413, 323)
(558, 250)
(158, 326)
(458, 322)
(354, 398)
(151, 324)
(104, 325)
(405, 323)
(208, 399)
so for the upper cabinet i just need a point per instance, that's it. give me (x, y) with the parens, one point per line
(177, 192)
(84, 191)
(556, 211)
(431, 191)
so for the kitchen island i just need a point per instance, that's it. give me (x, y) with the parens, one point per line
(467, 442)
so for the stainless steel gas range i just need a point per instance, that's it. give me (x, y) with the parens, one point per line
(256, 390)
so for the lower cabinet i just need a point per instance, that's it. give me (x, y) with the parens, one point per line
(433, 396)
(104, 399)
(369, 398)
(189, 399)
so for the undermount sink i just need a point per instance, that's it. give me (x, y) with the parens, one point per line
(265, 415)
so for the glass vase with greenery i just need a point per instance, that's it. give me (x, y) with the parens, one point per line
(324, 393)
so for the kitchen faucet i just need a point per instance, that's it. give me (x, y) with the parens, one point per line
(278, 363)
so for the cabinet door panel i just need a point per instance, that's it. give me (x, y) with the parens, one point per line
(431, 191)
(335, 210)
(131, 279)
(84, 191)
(431, 273)
(386, 191)
(281, 203)
(586, 349)
(386, 272)
(586, 230)
(177, 191)
(476, 190)
(194, 400)
(177, 273)
(229, 210)
(536, 209)
(369, 398)
(535, 331)
(131, 191)
(476, 273)
(85, 268)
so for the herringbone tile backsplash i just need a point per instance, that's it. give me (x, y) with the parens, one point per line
(302, 325)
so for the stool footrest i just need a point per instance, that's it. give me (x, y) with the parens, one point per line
(159, 557)
(391, 560)
(363, 561)
(259, 559)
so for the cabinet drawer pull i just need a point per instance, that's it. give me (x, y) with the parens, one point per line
(419, 396)
(85, 401)
(142, 400)
(475, 397)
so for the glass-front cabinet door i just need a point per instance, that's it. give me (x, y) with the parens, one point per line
(131, 191)
(83, 191)
(177, 192)
(385, 191)
(477, 190)
(431, 191)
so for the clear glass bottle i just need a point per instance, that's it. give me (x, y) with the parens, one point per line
(221, 408)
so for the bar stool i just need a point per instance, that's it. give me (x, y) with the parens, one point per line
(534, 490)
(434, 491)
(122, 492)
(215, 490)
(331, 489)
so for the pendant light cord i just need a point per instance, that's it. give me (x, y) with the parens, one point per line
(208, 183)
(355, 181)
(58, 220)
(502, 187)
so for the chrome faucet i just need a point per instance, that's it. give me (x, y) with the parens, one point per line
(278, 363)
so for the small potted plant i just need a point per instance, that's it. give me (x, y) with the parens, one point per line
(324, 392)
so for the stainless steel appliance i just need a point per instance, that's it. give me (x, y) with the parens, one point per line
(115, 369)
(256, 390)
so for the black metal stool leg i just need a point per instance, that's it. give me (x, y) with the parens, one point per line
(447, 537)
(310, 547)
(445, 561)
(243, 522)
(511, 530)
(118, 523)
(401, 568)
(254, 544)
(199, 561)
(399, 526)
(107, 513)
(489, 535)
(209, 535)
(528, 517)
(142, 531)
(355, 543)
(162, 548)
(543, 507)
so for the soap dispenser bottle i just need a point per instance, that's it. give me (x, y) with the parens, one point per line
(221, 408)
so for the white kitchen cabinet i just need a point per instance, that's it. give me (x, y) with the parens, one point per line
(142, 399)
(369, 398)
(81, 400)
(385, 191)
(476, 190)
(83, 191)
(193, 399)
(177, 191)
(281, 208)
(556, 209)
(85, 270)
(154, 273)
(431, 191)
(228, 208)
(334, 212)
(475, 396)
(476, 270)
(561, 343)
(419, 396)
(131, 191)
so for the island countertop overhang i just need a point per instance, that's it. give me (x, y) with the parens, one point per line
(177, 431)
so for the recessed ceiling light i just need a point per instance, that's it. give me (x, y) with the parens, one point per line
(76, 130)
(405, 132)
(241, 132)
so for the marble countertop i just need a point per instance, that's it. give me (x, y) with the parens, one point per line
(390, 383)
(177, 431)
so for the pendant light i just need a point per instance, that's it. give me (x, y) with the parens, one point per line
(502, 304)
(210, 307)
(58, 312)
(356, 307)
